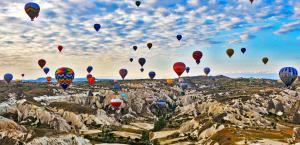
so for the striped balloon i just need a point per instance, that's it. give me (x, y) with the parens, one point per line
(32, 10)
(64, 77)
(288, 75)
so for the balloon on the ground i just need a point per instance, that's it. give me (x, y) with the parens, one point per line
(97, 27)
(265, 60)
(149, 45)
(124, 95)
(46, 70)
(243, 50)
(60, 48)
(197, 55)
(32, 10)
(152, 75)
(179, 68)
(8, 77)
(206, 70)
(187, 69)
(116, 103)
(123, 73)
(230, 52)
(42, 63)
(64, 77)
(89, 69)
(288, 75)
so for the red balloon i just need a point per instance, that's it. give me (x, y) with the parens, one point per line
(116, 103)
(91, 80)
(179, 68)
(48, 79)
(197, 55)
(123, 73)
(42, 63)
(88, 76)
(60, 48)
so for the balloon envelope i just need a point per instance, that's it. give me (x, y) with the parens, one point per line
(187, 69)
(149, 45)
(230, 52)
(288, 75)
(142, 61)
(206, 70)
(42, 63)
(32, 10)
(116, 103)
(179, 68)
(123, 73)
(89, 69)
(46, 70)
(265, 60)
(142, 69)
(179, 37)
(97, 27)
(152, 75)
(197, 55)
(138, 3)
(134, 48)
(170, 81)
(91, 80)
(243, 50)
(88, 76)
(8, 77)
(124, 95)
(48, 79)
(64, 77)
(131, 59)
(60, 48)
(161, 103)
(22, 75)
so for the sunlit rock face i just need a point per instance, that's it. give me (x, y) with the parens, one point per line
(60, 140)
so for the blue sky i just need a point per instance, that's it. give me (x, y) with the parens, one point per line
(266, 28)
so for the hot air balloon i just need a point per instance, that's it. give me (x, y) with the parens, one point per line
(152, 75)
(243, 50)
(130, 59)
(116, 87)
(197, 55)
(123, 73)
(91, 80)
(206, 70)
(142, 69)
(170, 81)
(265, 60)
(42, 63)
(230, 52)
(124, 95)
(97, 27)
(116, 103)
(46, 70)
(179, 37)
(179, 68)
(89, 69)
(32, 10)
(183, 85)
(49, 79)
(149, 45)
(288, 75)
(138, 3)
(142, 61)
(251, 1)
(187, 69)
(8, 77)
(22, 75)
(134, 48)
(64, 77)
(60, 48)
(161, 103)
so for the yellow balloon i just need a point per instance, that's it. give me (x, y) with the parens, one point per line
(170, 81)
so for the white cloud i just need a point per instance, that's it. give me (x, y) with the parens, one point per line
(288, 27)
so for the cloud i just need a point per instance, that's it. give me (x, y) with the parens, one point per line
(288, 27)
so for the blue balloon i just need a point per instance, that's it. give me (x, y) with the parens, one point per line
(8, 77)
(89, 69)
(124, 95)
(116, 87)
(152, 74)
(142, 61)
(187, 69)
(46, 70)
(161, 103)
(288, 75)
(97, 27)
(179, 37)
(206, 70)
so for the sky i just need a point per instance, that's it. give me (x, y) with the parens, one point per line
(267, 28)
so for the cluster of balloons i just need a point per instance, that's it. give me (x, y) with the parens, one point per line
(230, 53)
(42, 64)
(91, 80)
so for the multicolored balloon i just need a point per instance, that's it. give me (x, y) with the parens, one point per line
(32, 10)
(152, 74)
(8, 77)
(97, 27)
(46, 70)
(206, 70)
(197, 55)
(89, 69)
(64, 77)
(288, 75)
(179, 68)
(42, 63)
(230, 52)
(123, 73)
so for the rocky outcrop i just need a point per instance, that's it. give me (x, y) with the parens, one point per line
(69, 139)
